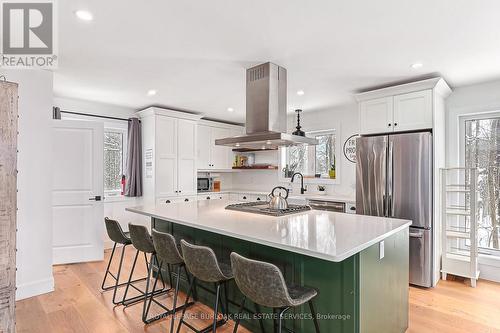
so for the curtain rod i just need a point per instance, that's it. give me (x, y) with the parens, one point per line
(93, 115)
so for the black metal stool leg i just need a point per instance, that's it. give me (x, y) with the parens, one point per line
(238, 316)
(176, 292)
(275, 321)
(130, 277)
(216, 307)
(117, 282)
(259, 312)
(147, 300)
(195, 293)
(185, 304)
(281, 314)
(107, 270)
(226, 301)
(313, 313)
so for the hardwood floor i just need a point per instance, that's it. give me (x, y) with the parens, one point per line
(77, 305)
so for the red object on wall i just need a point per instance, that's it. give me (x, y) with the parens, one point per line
(123, 185)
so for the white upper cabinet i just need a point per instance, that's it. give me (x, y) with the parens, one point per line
(170, 153)
(413, 111)
(204, 146)
(166, 156)
(375, 115)
(186, 163)
(221, 155)
(407, 107)
(210, 156)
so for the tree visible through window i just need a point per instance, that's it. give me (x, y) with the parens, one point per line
(315, 161)
(482, 151)
(113, 161)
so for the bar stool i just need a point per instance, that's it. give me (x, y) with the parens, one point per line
(202, 263)
(116, 234)
(264, 284)
(143, 242)
(167, 252)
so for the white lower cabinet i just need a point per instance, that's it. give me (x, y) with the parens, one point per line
(250, 197)
(176, 199)
(213, 196)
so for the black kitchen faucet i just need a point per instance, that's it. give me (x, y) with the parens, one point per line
(302, 189)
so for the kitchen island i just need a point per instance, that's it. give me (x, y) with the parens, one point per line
(359, 264)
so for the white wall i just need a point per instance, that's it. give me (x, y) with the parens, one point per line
(465, 101)
(34, 218)
(113, 207)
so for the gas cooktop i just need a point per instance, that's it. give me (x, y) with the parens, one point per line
(260, 207)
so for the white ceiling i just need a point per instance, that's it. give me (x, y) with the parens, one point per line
(194, 53)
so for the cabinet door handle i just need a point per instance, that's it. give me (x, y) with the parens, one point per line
(186, 200)
(395, 124)
(208, 198)
(244, 198)
(168, 201)
(258, 199)
(389, 125)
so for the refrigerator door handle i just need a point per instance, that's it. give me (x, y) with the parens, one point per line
(390, 158)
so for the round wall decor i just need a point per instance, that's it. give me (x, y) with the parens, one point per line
(350, 148)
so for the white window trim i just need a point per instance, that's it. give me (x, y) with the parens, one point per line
(487, 256)
(338, 158)
(120, 127)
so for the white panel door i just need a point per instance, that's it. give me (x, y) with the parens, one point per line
(221, 155)
(187, 172)
(413, 111)
(77, 190)
(375, 116)
(204, 147)
(166, 156)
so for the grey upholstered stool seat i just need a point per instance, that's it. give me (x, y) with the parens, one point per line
(264, 284)
(116, 234)
(202, 263)
(142, 241)
(168, 252)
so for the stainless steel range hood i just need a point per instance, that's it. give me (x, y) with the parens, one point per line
(266, 112)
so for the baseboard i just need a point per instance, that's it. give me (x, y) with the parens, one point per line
(34, 288)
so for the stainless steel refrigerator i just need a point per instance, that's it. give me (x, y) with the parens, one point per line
(394, 179)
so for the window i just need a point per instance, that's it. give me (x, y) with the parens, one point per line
(114, 161)
(313, 161)
(482, 151)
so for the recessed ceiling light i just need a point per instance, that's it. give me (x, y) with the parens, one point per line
(300, 92)
(237, 144)
(151, 92)
(417, 65)
(268, 142)
(84, 15)
(230, 109)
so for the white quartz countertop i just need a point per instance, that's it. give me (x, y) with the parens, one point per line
(321, 234)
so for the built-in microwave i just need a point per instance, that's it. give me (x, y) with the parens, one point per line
(205, 184)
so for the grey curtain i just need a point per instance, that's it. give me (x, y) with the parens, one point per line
(133, 174)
